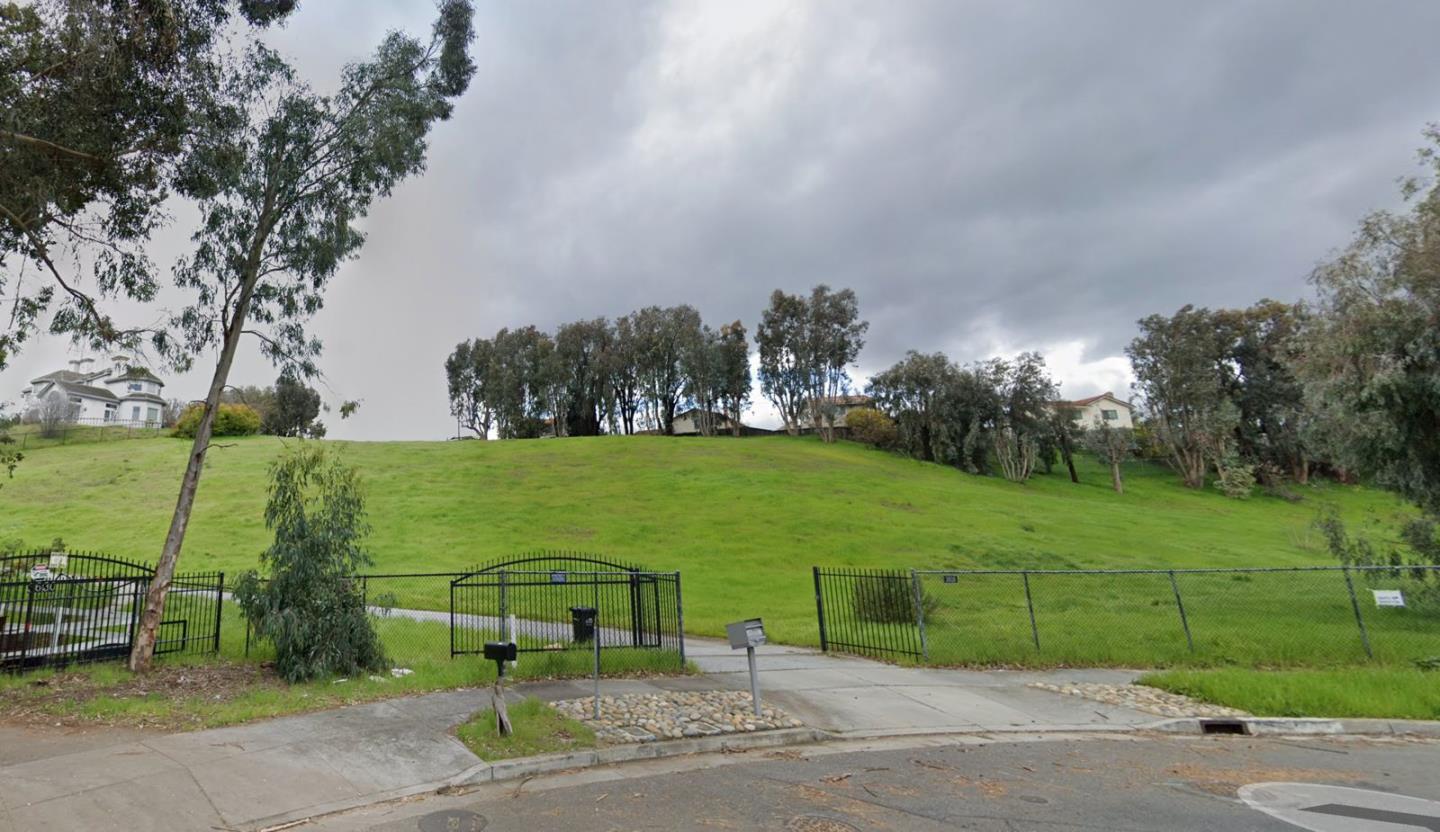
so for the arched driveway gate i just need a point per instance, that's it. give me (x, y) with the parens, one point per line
(529, 600)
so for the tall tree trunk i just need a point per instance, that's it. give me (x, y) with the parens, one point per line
(1068, 456)
(1115, 481)
(143, 650)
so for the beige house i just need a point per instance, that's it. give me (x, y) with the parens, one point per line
(1101, 409)
(838, 405)
(687, 422)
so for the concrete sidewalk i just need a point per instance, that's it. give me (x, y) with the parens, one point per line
(853, 697)
(246, 776)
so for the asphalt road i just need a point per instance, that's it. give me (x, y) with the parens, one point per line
(1115, 784)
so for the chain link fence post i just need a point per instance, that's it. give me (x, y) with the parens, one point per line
(1359, 620)
(1180, 604)
(1030, 606)
(920, 614)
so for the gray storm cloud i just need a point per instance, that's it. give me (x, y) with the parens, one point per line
(986, 177)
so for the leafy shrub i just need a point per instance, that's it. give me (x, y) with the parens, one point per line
(231, 420)
(1236, 480)
(870, 426)
(888, 599)
(310, 604)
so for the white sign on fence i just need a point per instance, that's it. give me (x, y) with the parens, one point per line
(1388, 598)
(59, 562)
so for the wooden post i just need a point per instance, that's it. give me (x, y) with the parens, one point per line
(497, 701)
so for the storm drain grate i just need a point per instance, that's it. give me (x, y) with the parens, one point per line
(1224, 726)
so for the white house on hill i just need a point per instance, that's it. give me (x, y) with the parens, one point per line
(1104, 408)
(121, 394)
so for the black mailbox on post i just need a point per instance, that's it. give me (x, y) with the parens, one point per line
(500, 652)
(582, 620)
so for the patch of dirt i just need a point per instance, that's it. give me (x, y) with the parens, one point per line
(52, 700)
(1225, 781)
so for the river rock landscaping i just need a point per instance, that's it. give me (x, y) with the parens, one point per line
(648, 717)
(1142, 698)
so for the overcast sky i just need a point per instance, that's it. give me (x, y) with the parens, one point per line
(987, 177)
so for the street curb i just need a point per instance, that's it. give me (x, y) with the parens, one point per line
(1298, 726)
(530, 766)
(501, 770)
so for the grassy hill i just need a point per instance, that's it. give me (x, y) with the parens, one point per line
(743, 519)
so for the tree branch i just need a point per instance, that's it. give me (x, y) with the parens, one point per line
(21, 138)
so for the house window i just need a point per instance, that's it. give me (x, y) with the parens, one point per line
(135, 413)
(136, 387)
(152, 415)
(110, 412)
(76, 400)
(1110, 415)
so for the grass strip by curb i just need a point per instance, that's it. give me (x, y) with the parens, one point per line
(1384, 693)
(537, 729)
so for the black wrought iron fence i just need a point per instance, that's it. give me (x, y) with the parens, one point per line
(539, 602)
(1298, 616)
(59, 608)
(438, 615)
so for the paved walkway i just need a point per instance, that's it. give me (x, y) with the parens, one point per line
(237, 778)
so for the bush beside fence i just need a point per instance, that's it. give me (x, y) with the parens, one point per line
(1315, 616)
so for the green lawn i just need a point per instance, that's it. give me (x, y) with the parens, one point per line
(28, 437)
(1388, 693)
(235, 686)
(744, 520)
(536, 728)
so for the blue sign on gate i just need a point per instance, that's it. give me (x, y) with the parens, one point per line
(557, 577)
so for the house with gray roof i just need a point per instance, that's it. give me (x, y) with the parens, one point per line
(121, 394)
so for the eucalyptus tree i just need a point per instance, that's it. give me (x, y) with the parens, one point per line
(912, 393)
(1113, 446)
(296, 411)
(734, 373)
(662, 338)
(780, 338)
(98, 102)
(971, 414)
(704, 378)
(582, 356)
(282, 174)
(1264, 346)
(833, 338)
(470, 384)
(1370, 358)
(1062, 435)
(1026, 393)
(1180, 367)
(623, 373)
(521, 371)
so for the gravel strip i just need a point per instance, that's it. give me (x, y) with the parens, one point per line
(1142, 698)
(647, 717)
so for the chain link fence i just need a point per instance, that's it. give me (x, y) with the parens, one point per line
(1302, 616)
